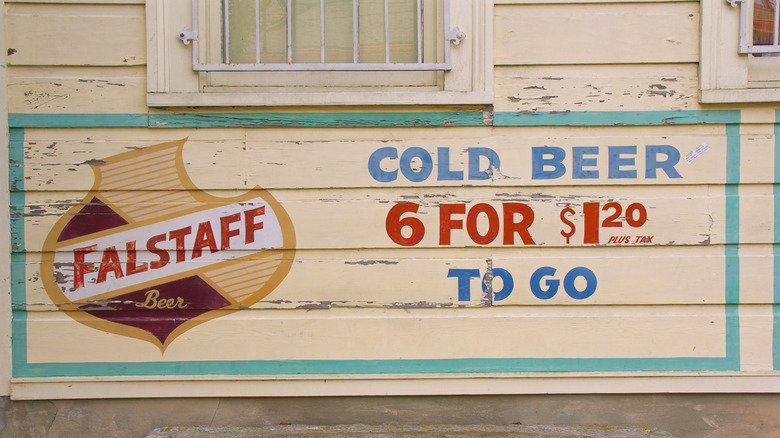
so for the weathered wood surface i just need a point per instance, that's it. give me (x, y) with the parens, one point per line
(376, 334)
(72, 34)
(631, 87)
(352, 278)
(605, 33)
(81, 90)
(352, 293)
(294, 158)
(686, 215)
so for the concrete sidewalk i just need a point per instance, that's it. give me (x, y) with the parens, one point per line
(444, 431)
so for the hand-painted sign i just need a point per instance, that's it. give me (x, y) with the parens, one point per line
(148, 255)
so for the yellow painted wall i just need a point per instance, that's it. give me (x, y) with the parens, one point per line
(677, 297)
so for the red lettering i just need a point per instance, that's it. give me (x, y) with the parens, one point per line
(79, 267)
(249, 223)
(394, 224)
(203, 238)
(446, 223)
(178, 235)
(511, 227)
(471, 224)
(151, 245)
(132, 268)
(225, 232)
(110, 263)
(590, 210)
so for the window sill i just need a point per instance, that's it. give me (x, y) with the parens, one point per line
(319, 98)
(739, 95)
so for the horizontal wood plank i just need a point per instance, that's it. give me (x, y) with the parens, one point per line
(674, 215)
(81, 90)
(68, 35)
(637, 87)
(294, 158)
(430, 278)
(605, 33)
(347, 334)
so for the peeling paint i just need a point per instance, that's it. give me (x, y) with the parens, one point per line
(487, 292)
(371, 262)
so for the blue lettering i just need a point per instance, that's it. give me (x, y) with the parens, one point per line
(536, 282)
(375, 161)
(464, 286)
(579, 161)
(544, 156)
(652, 163)
(616, 162)
(406, 164)
(590, 285)
(474, 156)
(509, 284)
(445, 174)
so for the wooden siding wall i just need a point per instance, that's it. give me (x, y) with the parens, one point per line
(690, 309)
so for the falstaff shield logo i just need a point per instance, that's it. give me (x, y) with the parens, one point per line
(148, 255)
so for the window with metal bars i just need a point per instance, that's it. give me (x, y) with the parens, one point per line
(317, 35)
(759, 26)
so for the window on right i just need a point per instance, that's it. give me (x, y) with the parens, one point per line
(740, 56)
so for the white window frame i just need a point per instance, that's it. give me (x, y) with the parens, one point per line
(450, 37)
(725, 58)
(172, 80)
(746, 29)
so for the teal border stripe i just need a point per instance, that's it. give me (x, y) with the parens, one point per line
(378, 119)
(21, 368)
(24, 120)
(733, 163)
(392, 366)
(776, 248)
(615, 118)
(221, 120)
(16, 185)
(381, 119)
(18, 260)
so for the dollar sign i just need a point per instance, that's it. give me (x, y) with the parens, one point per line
(567, 235)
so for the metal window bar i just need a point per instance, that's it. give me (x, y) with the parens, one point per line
(454, 37)
(746, 29)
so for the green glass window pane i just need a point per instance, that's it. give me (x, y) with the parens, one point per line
(306, 36)
(371, 31)
(403, 30)
(273, 31)
(338, 31)
(306, 19)
(241, 22)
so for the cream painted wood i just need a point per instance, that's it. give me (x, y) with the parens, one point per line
(352, 334)
(756, 325)
(756, 218)
(763, 71)
(597, 33)
(608, 87)
(91, 2)
(58, 34)
(77, 90)
(330, 385)
(757, 150)
(322, 279)
(287, 158)
(311, 211)
(5, 228)
(533, 2)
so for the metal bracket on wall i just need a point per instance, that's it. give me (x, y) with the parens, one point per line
(186, 35)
